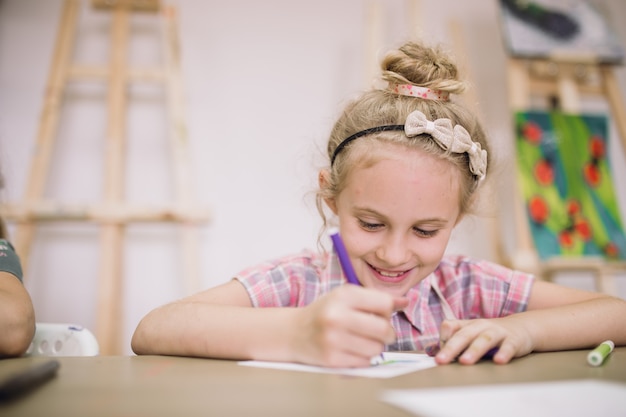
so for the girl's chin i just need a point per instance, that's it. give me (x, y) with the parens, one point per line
(394, 290)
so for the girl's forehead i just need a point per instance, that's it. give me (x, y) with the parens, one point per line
(405, 179)
(410, 157)
(406, 165)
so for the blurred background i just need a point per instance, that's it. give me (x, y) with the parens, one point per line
(263, 84)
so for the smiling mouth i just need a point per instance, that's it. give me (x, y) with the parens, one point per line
(390, 276)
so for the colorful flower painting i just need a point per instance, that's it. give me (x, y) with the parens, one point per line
(566, 181)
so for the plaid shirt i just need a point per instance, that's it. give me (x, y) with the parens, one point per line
(473, 289)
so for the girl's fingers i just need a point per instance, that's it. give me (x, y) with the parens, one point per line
(445, 352)
(354, 340)
(400, 303)
(369, 301)
(369, 312)
(468, 341)
(361, 347)
(448, 329)
(370, 326)
(349, 326)
(505, 353)
(478, 348)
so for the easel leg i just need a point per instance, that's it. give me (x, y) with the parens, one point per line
(110, 296)
(48, 123)
(180, 149)
(605, 282)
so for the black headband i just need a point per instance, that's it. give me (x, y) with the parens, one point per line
(365, 132)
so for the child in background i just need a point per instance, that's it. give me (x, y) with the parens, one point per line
(17, 315)
(404, 166)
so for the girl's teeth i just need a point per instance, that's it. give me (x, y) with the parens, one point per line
(390, 274)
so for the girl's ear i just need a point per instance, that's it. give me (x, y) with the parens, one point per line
(324, 183)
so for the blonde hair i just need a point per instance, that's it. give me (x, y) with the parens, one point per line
(413, 64)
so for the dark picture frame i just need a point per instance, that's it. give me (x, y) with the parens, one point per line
(569, 30)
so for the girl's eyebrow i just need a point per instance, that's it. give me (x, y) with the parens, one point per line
(434, 220)
(369, 211)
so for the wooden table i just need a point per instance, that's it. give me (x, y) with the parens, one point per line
(146, 386)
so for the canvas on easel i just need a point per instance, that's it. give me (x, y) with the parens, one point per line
(565, 207)
(566, 181)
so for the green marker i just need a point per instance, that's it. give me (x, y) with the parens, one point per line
(597, 356)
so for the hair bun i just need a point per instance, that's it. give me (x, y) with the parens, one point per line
(423, 66)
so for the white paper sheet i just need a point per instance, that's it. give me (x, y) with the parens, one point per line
(396, 363)
(575, 398)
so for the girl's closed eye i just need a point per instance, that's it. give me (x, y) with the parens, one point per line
(425, 233)
(370, 226)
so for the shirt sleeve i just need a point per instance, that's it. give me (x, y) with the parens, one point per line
(481, 289)
(9, 261)
(293, 281)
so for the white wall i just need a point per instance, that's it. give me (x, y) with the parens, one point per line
(264, 82)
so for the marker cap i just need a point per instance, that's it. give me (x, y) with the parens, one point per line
(597, 356)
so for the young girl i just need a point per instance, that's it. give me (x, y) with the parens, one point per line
(17, 314)
(404, 165)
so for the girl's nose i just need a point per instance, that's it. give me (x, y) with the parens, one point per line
(394, 250)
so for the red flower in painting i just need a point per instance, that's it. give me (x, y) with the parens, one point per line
(566, 239)
(573, 207)
(592, 175)
(532, 132)
(596, 147)
(611, 250)
(539, 210)
(544, 173)
(583, 229)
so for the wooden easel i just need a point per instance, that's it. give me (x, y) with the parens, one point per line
(566, 81)
(113, 213)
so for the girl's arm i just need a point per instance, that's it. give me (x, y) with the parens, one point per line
(346, 327)
(567, 318)
(17, 316)
(558, 318)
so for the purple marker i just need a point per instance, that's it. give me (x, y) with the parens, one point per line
(490, 353)
(344, 259)
(348, 271)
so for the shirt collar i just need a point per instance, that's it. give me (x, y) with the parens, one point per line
(418, 312)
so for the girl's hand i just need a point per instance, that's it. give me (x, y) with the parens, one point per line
(469, 340)
(345, 328)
